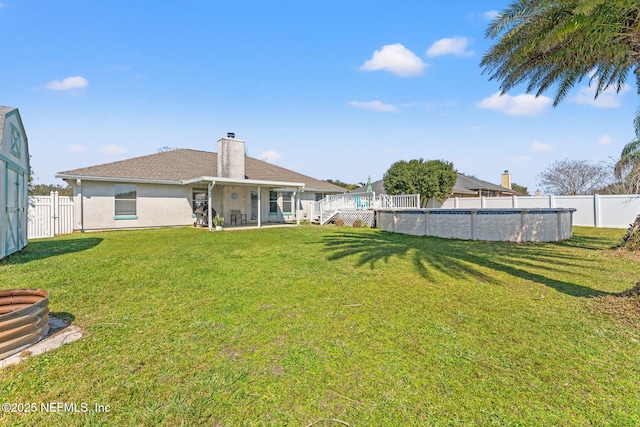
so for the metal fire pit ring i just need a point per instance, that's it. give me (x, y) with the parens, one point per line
(24, 319)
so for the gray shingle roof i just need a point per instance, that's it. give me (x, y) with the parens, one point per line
(464, 185)
(185, 164)
(471, 183)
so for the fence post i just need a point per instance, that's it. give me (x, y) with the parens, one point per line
(52, 212)
(482, 202)
(596, 210)
(55, 212)
(552, 202)
(514, 201)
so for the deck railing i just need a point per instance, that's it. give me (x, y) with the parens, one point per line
(323, 210)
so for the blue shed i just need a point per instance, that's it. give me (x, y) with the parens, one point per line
(14, 182)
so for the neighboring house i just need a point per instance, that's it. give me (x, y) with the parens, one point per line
(166, 189)
(465, 186)
(468, 186)
(14, 182)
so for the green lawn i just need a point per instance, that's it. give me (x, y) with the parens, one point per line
(331, 326)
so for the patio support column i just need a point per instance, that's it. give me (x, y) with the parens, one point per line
(295, 200)
(209, 208)
(79, 196)
(259, 207)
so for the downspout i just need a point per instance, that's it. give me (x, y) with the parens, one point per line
(81, 221)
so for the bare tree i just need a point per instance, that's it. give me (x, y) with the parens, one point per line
(571, 177)
(627, 181)
(166, 148)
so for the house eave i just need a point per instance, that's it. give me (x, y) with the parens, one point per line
(324, 190)
(118, 179)
(242, 182)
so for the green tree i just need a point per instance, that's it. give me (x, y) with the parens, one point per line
(627, 169)
(430, 179)
(342, 184)
(558, 43)
(46, 189)
(520, 189)
(546, 43)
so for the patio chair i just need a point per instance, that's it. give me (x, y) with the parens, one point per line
(360, 204)
(237, 215)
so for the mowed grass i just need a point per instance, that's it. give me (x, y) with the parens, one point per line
(330, 326)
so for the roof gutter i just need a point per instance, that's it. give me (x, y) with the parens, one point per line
(240, 182)
(119, 179)
(202, 179)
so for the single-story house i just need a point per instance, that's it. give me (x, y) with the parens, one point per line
(465, 186)
(469, 186)
(14, 182)
(171, 188)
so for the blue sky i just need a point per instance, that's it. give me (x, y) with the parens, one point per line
(332, 89)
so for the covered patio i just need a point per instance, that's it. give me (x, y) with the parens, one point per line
(246, 196)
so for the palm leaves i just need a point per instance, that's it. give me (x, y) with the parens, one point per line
(547, 43)
(558, 43)
(628, 167)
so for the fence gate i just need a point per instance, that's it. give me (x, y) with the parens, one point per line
(50, 215)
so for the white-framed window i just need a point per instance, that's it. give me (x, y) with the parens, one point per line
(125, 201)
(273, 203)
(286, 202)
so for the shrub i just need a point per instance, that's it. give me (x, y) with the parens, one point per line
(631, 240)
(357, 223)
(339, 222)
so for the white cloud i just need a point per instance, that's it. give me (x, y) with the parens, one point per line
(605, 140)
(607, 99)
(450, 46)
(490, 15)
(375, 106)
(519, 105)
(75, 82)
(76, 148)
(537, 147)
(270, 156)
(112, 150)
(396, 59)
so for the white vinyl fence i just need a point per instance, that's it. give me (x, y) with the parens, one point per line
(50, 215)
(617, 211)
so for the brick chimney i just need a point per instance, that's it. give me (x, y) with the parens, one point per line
(506, 180)
(231, 157)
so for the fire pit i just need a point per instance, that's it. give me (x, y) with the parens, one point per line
(24, 319)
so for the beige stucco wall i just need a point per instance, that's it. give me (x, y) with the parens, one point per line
(509, 225)
(156, 205)
(162, 205)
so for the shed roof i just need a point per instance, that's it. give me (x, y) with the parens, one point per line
(3, 112)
